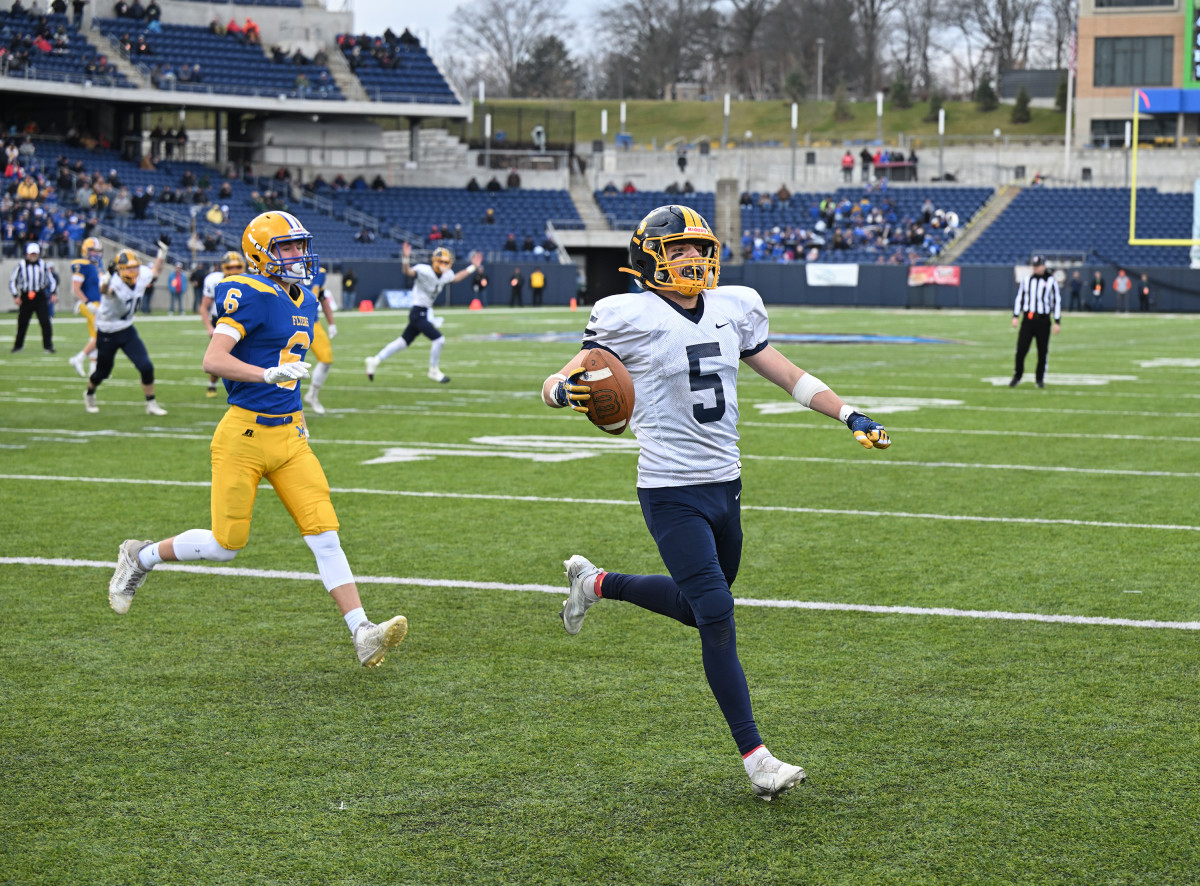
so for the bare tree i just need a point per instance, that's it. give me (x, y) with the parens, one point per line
(919, 22)
(1007, 29)
(659, 44)
(498, 35)
(872, 17)
(745, 32)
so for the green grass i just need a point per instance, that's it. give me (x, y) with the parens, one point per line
(223, 733)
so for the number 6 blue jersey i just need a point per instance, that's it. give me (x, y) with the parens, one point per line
(684, 369)
(271, 328)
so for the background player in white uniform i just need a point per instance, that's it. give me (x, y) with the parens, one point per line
(119, 300)
(322, 346)
(682, 341)
(428, 282)
(231, 263)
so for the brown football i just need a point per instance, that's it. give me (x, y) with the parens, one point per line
(611, 405)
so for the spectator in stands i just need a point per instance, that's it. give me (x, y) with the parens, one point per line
(493, 184)
(278, 56)
(250, 29)
(195, 243)
(1097, 292)
(672, 189)
(140, 201)
(212, 240)
(137, 12)
(434, 237)
(77, 7)
(407, 39)
(27, 190)
(169, 145)
(301, 85)
(527, 244)
(321, 58)
(188, 179)
(927, 210)
(688, 188)
(215, 27)
(548, 245)
(186, 73)
(299, 58)
(913, 159)
(181, 140)
(745, 200)
(510, 243)
(629, 188)
(122, 206)
(783, 195)
(339, 183)
(847, 166)
(359, 183)
(153, 11)
(364, 236)
(514, 180)
(234, 30)
(120, 8)
(1122, 285)
(214, 215)
(1075, 285)
(489, 217)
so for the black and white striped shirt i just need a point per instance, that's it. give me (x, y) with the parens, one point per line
(1038, 295)
(37, 276)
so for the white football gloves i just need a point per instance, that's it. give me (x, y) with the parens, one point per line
(286, 372)
(332, 331)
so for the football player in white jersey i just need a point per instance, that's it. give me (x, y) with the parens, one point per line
(231, 263)
(428, 282)
(119, 299)
(682, 341)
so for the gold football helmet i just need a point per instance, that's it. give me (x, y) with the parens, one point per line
(658, 231)
(441, 260)
(128, 266)
(92, 250)
(261, 244)
(232, 263)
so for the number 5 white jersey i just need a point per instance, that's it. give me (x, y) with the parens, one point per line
(684, 371)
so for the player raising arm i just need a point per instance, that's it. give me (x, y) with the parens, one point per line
(428, 282)
(682, 341)
(263, 331)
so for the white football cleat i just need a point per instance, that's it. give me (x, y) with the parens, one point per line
(129, 575)
(438, 376)
(89, 401)
(77, 364)
(311, 399)
(582, 575)
(152, 408)
(372, 366)
(772, 777)
(372, 641)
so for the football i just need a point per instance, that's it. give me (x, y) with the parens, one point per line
(611, 405)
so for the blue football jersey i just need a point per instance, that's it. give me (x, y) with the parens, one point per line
(317, 284)
(90, 272)
(274, 329)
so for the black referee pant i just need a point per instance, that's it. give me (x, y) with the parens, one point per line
(1035, 327)
(40, 305)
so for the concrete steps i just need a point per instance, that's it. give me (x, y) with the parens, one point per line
(980, 223)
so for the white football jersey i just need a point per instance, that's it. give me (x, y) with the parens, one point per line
(684, 371)
(428, 285)
(121, 303)
(210, 290)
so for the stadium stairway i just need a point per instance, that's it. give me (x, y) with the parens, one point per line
(131, 71)
(339, 70)
(975, 228)
(585, 204)
(438, 151)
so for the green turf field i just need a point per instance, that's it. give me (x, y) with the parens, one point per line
(960, 732)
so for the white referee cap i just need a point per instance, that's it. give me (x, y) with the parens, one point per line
(33, 249)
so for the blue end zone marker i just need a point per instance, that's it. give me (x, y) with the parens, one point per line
(785, 338)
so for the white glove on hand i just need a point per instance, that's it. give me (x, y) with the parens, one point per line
(286, 372)
(332, 331)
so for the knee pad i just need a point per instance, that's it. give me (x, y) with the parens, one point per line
(331, 560)
(147, 374)
(201, 544)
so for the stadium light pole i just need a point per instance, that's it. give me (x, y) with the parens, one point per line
(820, 65)
(879, 117)
(487, 141)
(795, 120)
(941, 136)
(725, 128)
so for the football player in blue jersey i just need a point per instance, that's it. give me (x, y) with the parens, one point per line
(85, 283)
(263, 331)
(682, 340)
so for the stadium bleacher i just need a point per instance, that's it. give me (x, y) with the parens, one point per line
(1091, 221)
(226, 64)
(395, 69)
(67, 57)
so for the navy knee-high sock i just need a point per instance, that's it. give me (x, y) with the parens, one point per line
(728, 682)
(658, 593)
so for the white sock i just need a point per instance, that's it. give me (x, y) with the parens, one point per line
(390, 348)
(752, 758)
(79, 356)
(318, 377)
(148, 556)
(355, 618)
(435, 352)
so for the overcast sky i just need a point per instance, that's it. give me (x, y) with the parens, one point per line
(432, 20)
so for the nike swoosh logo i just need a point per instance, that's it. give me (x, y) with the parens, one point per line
(736, 497)
(719, 325)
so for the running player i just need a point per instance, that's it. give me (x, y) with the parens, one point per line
(428, 282)
(120, 296)
(86, 277)
(231, 263)
(682, 341)
(322, 349)
(263, 331)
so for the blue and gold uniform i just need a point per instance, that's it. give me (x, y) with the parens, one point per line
(263, 433)
(88, 275)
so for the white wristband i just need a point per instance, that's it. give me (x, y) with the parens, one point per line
(845, 412)
(807, 388)
(558, 376)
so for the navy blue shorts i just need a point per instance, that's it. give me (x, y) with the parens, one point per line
(418, 324)
(698, 530)
(127, 340)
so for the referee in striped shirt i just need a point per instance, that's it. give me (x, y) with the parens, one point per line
(33, 286)
(1038, 304)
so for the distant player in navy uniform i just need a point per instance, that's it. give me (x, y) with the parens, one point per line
(428, 282)
(85, 283)
(682, 340)
(322, 347)
(263, 331)
(231, 263)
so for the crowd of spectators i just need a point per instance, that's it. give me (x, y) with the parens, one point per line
(42, 38)
(388, 50)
